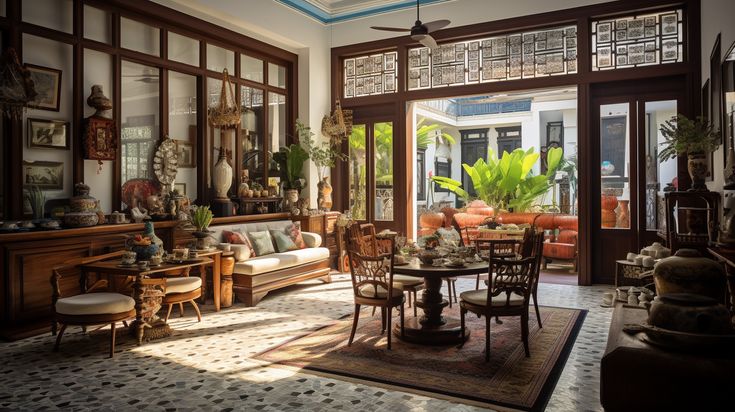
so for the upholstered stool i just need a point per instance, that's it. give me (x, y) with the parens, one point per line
(93, 309)
(180, 290)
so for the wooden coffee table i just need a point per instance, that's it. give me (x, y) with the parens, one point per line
(432, 328)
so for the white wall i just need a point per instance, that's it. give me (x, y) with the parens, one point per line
(460, 12)
(717, 17)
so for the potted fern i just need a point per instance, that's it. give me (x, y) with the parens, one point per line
(697, 138)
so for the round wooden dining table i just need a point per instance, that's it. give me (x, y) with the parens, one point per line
(432, 328)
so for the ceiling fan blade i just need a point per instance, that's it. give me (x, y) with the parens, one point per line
(436, 25)
(389, 28)
(428, 41)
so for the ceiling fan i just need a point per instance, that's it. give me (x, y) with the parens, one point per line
(420, 31)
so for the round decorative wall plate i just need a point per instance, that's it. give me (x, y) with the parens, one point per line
(166, 162)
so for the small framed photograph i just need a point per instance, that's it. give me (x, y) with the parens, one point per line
(45, 175)
(48, 134)
(181, 188)
(186, 154)
(47, 83)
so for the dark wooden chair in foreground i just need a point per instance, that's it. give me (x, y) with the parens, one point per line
(95, 306)
(372, 283)
(508, 294)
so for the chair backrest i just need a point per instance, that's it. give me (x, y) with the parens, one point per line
(497, 248)
(70, 269)
(372, 273)
(511, 276)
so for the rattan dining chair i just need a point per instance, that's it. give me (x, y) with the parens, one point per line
(373, 285)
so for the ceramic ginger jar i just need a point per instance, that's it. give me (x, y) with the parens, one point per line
(690, 313)
(688, 272)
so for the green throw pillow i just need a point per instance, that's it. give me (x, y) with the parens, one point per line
(261, 242)
(284, 243)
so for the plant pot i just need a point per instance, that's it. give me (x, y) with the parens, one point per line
(697, 166)
(201, 239)
(431, 220)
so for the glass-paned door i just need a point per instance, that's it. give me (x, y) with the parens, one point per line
(632, 180)
(371, 173)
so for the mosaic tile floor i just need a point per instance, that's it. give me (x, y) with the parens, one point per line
(208, 365)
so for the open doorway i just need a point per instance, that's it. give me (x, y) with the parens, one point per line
(453, 132)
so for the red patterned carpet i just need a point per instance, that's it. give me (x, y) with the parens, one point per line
(508, 380)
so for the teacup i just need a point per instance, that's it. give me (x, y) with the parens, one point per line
(622, 294)
(181, 253)
(193, 254)
(607, 299)
(631, 256)
(128, 258)
(143, 265)
(155, 260)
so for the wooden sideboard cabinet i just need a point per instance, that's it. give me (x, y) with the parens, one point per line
(326, 226)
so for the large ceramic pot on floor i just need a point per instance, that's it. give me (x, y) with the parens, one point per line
(688, 272)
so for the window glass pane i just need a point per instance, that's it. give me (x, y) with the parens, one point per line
(182, 127)
(276, 126)
(53, 14)
(383, 134)
(219, 59)
(251, 134)
(97, 25)
(614, 155)
(251, 68)
(658, 174)
(140, 119)
(183, 49)
(358, 172)
(140, 37)
(276, 75)
(371, 74)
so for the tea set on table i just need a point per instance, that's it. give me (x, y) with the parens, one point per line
(179, 255)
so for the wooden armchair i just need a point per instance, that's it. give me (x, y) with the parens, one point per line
(95, 306)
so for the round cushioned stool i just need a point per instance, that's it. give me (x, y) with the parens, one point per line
(180, 290)
(93, 309)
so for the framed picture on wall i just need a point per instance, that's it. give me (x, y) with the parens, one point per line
(47, 83)
(45, 175)
(100, 141)
(181, 188)
(48, 134)
(186, 154)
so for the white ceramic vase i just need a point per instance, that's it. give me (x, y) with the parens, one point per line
(222, 178)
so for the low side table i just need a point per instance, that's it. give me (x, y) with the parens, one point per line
(628, 273)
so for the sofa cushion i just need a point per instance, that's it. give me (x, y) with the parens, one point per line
(236, 239)
(276, 261)
(312, 239)
(242, 252)
(262, 243)
(282, 241)
(294, 231)
(95, 304)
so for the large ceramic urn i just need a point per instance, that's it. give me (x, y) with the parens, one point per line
(83, 208)
(688, 272)
(222, 176)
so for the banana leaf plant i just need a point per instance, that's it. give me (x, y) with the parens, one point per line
(508, 182)
(290, 161)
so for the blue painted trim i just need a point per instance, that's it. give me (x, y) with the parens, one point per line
(322, 16)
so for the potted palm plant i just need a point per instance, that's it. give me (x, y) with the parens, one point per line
(697, 138)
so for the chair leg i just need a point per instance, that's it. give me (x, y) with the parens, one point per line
(125, 323)
(403, 334)
(538, 314)
(373, 314)
(454, 290)
(462, 312)
(389, 316)
(546, 263)
(498, 321)
(524, 333)
(168, 312)
(477, 283)
(196, 309)
(54, 326)
(112, 339)
(382, 320)
(487, 338)
(409, 298)
(181, 309)
(58, 337)
(354, 324)
(415, 299)
(449, 292)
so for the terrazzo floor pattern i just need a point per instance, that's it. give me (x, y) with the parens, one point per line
(208, 365)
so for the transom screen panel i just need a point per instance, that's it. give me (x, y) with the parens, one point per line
(640, 40)
(512, 56)
(371, 74)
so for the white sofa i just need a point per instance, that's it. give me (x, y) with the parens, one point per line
(253, 278)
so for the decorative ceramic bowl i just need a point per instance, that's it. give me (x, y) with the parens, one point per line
(427, 257)
(80, 219)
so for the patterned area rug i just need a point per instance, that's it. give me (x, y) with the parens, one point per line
(509, 380)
